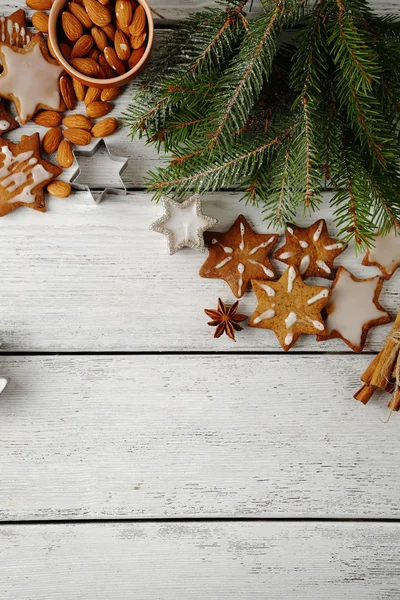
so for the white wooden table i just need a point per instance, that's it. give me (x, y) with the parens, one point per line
(140, 458)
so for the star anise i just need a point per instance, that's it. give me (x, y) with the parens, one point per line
(225, 319)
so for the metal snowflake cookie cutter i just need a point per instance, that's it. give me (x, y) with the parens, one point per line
(99, 192)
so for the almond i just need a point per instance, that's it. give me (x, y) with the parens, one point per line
(98, 109)
(67, 92)
(105, 127)
(47, 118)
(136, 41)
(40, 20)
(60, 189)
(136, 56)
(122, 28)
(100, 38)
(110, 94)
(108, 72)
(86, 65)
(138, 23)
(80, 13)
(72, 27)
(51, 140)
(121, 44)
(39, 4)
(78, 122)
(99, 14)
(82, 46)
(80, 137)
(113, 60)
(105, 2)
(94, 53)
(66, 51)
(109, 30)
(92, 94)
(65, 156)
(79, 89)
(124, 12)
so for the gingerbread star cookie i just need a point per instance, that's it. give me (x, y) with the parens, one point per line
(238, 256)
(386, 253)
(353, 309)
(23, 174)
(7, 123)
(289, 307)
(30, 78)
(310, 249)
(13, 30)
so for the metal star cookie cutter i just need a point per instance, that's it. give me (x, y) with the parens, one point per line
(97, 193)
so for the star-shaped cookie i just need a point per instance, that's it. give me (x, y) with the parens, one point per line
(310, 250)
(238, 256)
(23, 174)
(289, 307)
(7, 123)
(30, 78)
(386, 253)
(353, 309)
(183, 223)
(13, 30)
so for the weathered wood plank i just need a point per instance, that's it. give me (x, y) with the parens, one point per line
(93, 277)
(173, 436)
(219, 561)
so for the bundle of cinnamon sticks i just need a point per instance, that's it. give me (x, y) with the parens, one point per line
(384, 371)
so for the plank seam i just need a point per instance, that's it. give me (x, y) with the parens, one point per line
(27, 522)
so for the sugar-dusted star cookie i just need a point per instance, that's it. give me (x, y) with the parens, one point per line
(30, 78)
(238, 256)
(353, 309)
(7, 123)
(289, 307)
(386, 253)
(23, 174)
(310, 249)
(13, 30)
(183, 223)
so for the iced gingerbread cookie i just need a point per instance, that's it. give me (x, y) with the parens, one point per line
(23, 174)
(310, 250)
(183, 223)
(289, 307)
(7, 123)
(386, 253)
(13, 29)
(30, 78)
(238, 256)
(353, 309)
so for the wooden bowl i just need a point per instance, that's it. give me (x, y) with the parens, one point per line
(55, 15)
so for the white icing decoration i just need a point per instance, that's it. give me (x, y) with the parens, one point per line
(4, 125)
(334, 246)
(353, 307)
(304, 264)
(267, 271)
(31, 79)
(290, 320)
(291, 278)
(263, 245)
(290, 230)
(303, 244)
(322, 265)
(323, 294)
(240, 268)
(223, 262)
(241, 245)
(267, 314)
(21, 171)
(267, 289)
(285, 255)
(226, 249)
(288, 339)
(10, 31)
(317, 324)
(386, 251)
(318, 231)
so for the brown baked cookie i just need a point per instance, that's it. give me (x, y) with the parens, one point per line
(30, 78)
(23, 174)
(386, 253)
(289, 307)
(7, 123)
(310, 250)
(238, 256)
(13, 30)
(353, 309)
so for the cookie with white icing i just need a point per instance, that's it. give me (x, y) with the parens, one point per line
(289, 307)
(353, 309)
(30, 78)
(7, 123)
(386, 253)
(23, 174)
(13, 29)
(238, 256)
(310, 250)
